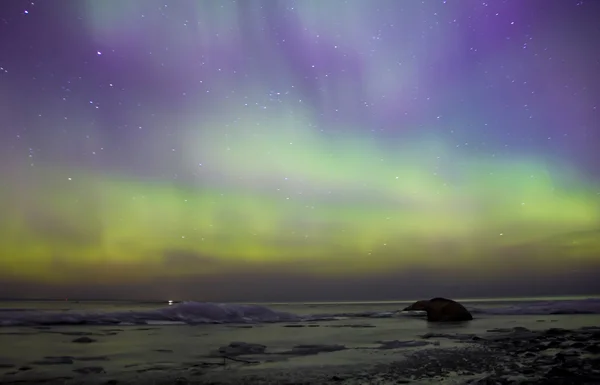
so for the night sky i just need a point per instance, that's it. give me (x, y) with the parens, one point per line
(299, 150)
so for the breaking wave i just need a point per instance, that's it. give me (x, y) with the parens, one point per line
(214, 313)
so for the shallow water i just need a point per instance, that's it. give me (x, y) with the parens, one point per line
(130, 344)
(125, 345)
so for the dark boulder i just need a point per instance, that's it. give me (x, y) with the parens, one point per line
(441, 310)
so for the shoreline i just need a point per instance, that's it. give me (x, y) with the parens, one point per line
(514, 355)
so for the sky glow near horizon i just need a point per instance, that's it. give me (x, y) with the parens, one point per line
(191, 139)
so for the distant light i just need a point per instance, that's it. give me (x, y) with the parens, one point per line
(170, 302)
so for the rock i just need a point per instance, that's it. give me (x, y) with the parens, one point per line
(457, 336)
(441, 310)
(563, 354)
(154, 368)
(63, 360)
(241, 348)
(556, 332)
(593, 348)
(595, 335)
(395, 344)
(581, 338)
(559, 372)
(354, 326)
(83, 340)
(303, 350)
(499, 330)
(90, 370)
(91, 358)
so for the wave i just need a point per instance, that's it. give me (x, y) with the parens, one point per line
(194, 313)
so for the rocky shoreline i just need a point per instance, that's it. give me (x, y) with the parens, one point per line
(500, 356)
(509, 356)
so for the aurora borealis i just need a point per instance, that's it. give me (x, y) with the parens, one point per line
(158, 149)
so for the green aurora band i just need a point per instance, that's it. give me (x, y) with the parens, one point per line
(249, 172)
(282, 197)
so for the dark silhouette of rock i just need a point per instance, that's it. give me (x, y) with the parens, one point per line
(84, 340)
(307, 350)
(90, 370)
(395, 344)
(62, 360)
(235, 349)
(91, 358)
(442, 310)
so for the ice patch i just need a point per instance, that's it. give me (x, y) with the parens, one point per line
(185, 312)
(218, 313)
(580, 306)
(343, 316)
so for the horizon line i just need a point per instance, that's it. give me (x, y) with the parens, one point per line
(307, 302)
